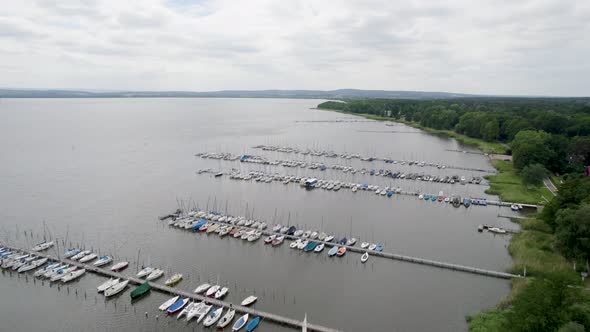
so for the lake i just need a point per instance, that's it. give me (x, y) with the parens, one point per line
(100, 171)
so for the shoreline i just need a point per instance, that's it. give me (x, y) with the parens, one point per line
(527, 249)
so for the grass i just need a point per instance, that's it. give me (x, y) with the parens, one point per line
(508, 185)
(533, 248)
(486, 147)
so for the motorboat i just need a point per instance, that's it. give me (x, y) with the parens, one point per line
(249, 300)
(202, 311)
(241, 322)
(276, 228)
(342, 241)
(107, 284)
(145, 272)
(365, 245)
(55, 270)
(116, 288)
(351, 242)
(176, 278)
(213, 317)
(222, 292)
(119, 266)
(42, 271)
(322, 236)
(333, 251)
(329, 238)
(298, 233)
(156, 273)
(211, 291)
(202, 288)
(313, 235)
(291, 230)
(168, 303)
(379, 248)
(88, 258)
(497, 230)
(251, 326)
(103, 260)
(341, 251)
(73, 275)
(372, 246)
(177, 306)
(319, 247)
(306, 234)
(226, 319)
(365, 257)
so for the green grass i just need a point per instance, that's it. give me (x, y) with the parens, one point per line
(508, 185)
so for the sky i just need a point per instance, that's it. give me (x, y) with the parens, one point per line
(507, 47)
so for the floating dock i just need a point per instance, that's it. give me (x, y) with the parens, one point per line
(265, 316)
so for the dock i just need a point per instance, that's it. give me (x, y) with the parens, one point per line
(393, 256)
(265, 316)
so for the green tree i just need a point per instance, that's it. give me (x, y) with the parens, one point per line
(491, 130)
(533, 174)
(572, 192)
(573, 231)
(545, 304)
(572, 327)
(529, 147)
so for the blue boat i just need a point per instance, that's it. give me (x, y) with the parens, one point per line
(199, 224)
(177, 305)
(322, 168)
(253, 324)
(342, 241)
(71, 252)
(379, 248)
(433, 198)
(389, 193)
(372, 172)
(310, 246)
(466, 202)
(333, 251)
(291, 230)
(426, 197)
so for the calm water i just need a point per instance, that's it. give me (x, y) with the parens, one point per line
(101, 170)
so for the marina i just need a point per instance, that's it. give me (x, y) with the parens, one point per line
(123, 169)
(196, 221)
(277, 319)
(335, 185)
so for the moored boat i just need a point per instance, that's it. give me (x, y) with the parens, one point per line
(333, 251)
(213, 317)
(156, 273)
(226, 319)
(251, 326)
(177, 306)
(119, 266)
(103, 260)
(175, 279)
(145, 272)
(365, 257)
(202, 288)
(116, 288)
(249, 300)
(168, 303)
(240, 322)
(140, 290)
(341, 251)
(73, 275)
(107, 284)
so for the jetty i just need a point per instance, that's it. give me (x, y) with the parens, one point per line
(393, 256)
(265, 316)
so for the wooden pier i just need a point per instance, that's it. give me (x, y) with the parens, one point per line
(265, 316)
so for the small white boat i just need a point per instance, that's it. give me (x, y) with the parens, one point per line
(73, 275)
(43, 246)
(103, 260)
(42, 271)
(221, 292)
(249, 300)
(119, 266)
(365, 257)
(213, 317)
(32, 265)
(157, 273)
(372, 246)
(107, 284)
(211, 291)
(202, 288)
(497, 230)
(319, 247)
(241, 322)
(145, 272)
(176, 278)
(61, 273)
(168, 303)
(202, 312)
(226, 319)
(194, 311)
(351, 241)
(116, 288)
(88, 258)
(322, 236)
(80, 255)
(365, 245)
(187, 309)
(302, 244)
(313, 235)
(329, 238)
(295, 244)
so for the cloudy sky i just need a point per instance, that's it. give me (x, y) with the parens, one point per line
(538, 47)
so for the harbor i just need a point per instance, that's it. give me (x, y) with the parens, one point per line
(116, 181)
(268, 317)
